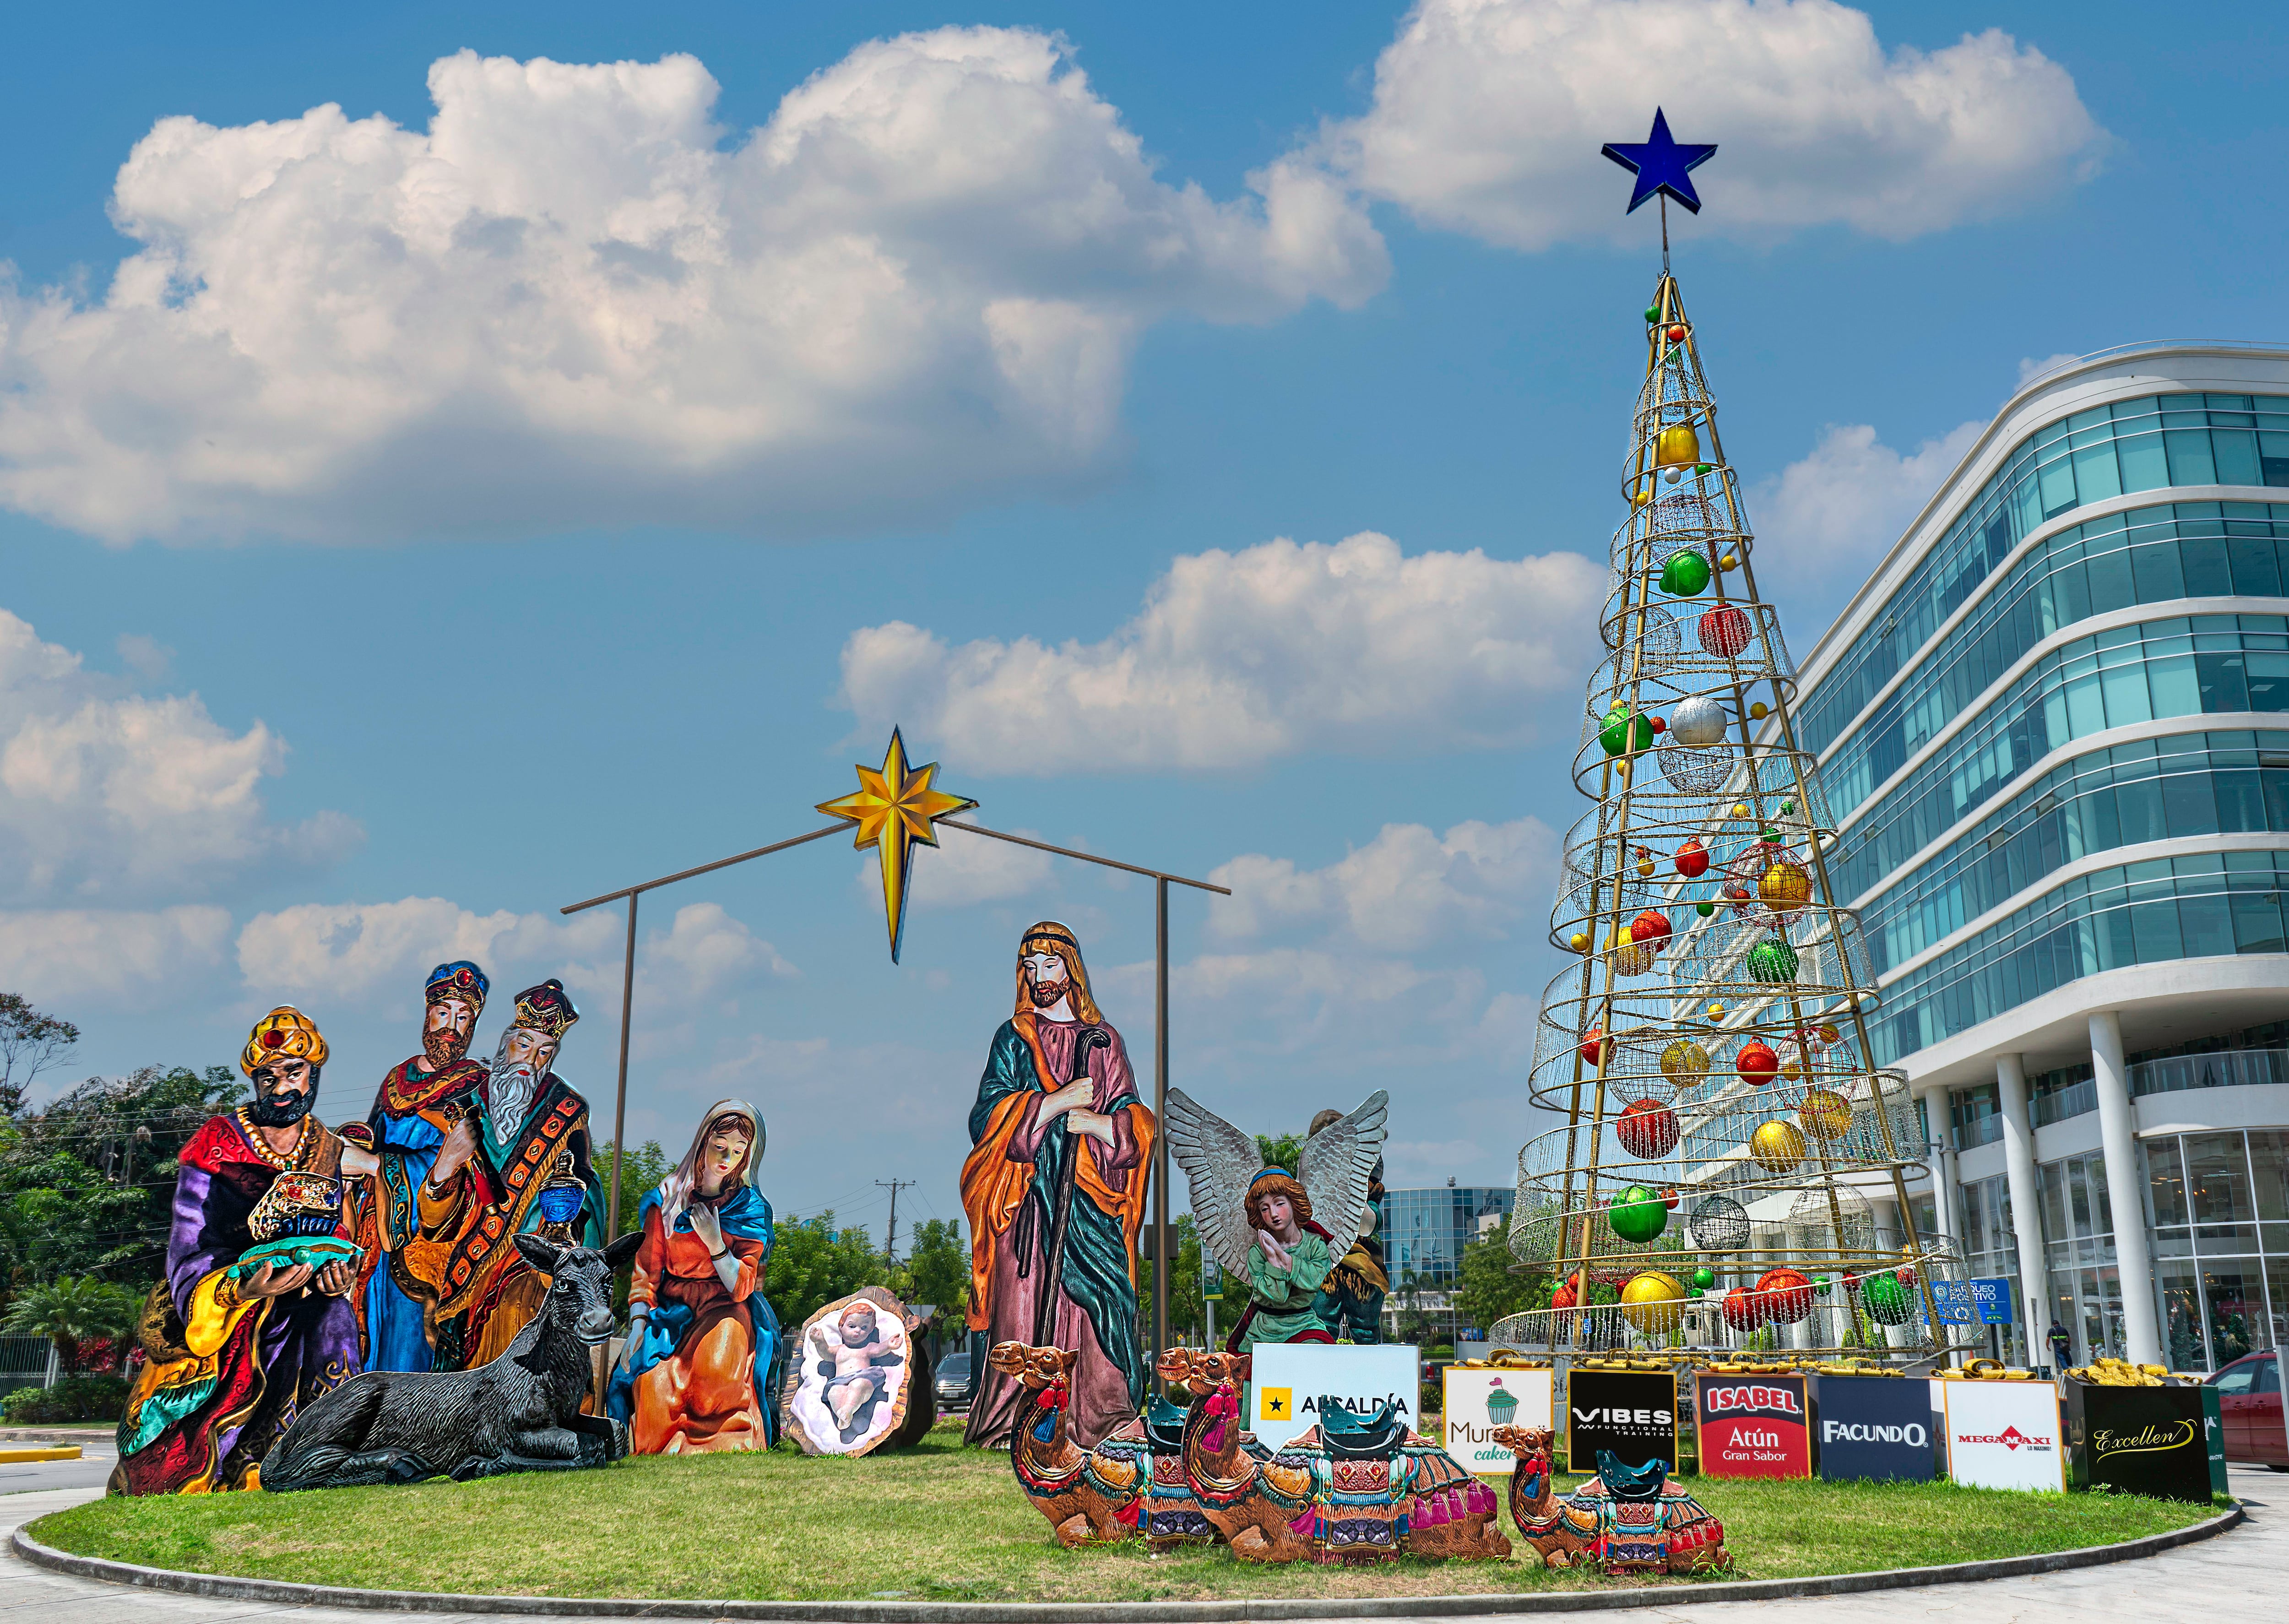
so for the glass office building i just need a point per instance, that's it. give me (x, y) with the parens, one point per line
(1425, 1231)
(2054, 730)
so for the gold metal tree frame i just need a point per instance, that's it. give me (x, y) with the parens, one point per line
(1719, 1122)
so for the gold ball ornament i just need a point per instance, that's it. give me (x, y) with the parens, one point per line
(1758, 711)
(1740, 809)
(1716, 1012)
(1792, 1070)
(1785, 887)
(1579, 941)
(1778, 1146)
(1640, 497)
(1730, 561)
(1685, 1063)
(1651, 1302)
(1677, 446)
(1825, 1114)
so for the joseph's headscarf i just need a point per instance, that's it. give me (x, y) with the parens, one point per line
(1050, 937)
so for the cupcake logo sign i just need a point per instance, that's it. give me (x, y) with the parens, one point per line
(1501, 1404)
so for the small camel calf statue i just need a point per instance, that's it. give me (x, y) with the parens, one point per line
(520, 1413)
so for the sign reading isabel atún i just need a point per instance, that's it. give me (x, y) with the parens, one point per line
(1289, 1382)
(2005, 1434)
(1477, 1402)
(1633, 1413)
(1752, 1426)
(2145, 1441)
(1876, 1428)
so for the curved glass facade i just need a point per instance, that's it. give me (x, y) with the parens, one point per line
(2115, 450)
(2179, 666)
(2147, 556)
(2182, 785)
(2210, 903)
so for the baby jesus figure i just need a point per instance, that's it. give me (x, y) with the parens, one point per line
(853, 1357)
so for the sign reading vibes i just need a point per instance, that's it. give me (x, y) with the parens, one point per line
(1876, 1428)
(2148, 1441)
(1752, 1429)
(1632, 1413)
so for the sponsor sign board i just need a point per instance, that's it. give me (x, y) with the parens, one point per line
(1289, 1382)
(2213, 1430)
(1990, 1299)
(1951, 1303)
(1753, 1425)
(1477, 1402)
(1876, 1428)
(2145, 1441)
(1633, 1413)
(2005, 1434)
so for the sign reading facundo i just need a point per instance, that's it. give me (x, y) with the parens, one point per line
(1876, 1428)
(2145, 1441)
(2005, 1434)
(1477, 1402)
(1633, 1413)
(1289, 1381)
(1752, 1426)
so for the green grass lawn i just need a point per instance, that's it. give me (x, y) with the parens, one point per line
(945, 1523)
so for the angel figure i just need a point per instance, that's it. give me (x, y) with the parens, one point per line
(1259, 1221)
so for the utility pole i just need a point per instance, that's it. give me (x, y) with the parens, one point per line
(890, 1241)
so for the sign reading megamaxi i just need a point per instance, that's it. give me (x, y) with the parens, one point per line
(1752, 1426)
(1876, 1428)
(1632, 1414)
(2148, 1441)
(2005, 1434)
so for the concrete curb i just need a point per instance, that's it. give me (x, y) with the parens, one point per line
(222, 1587)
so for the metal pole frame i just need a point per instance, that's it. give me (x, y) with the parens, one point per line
(1162, 1262)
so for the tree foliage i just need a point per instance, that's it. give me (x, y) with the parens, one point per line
(645, 1165)
(79, 1315)
(935, 1270)
(813, 1262)
(1488, 1290)
(1281, 1152)
(30, 1042)
(1187, 1311)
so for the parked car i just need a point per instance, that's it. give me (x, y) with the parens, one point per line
(957, 1384)
(2249, 1406)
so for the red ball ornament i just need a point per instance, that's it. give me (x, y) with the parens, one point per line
(1905, 1275)
(1693, 858)
(1647, 1129)
(1659, 726)
(1669, 1198)
(1677, 333)
(1724, 631)
(1563, 1297)
(1596, 1044)
(1652, 925)
(1786, 1295)
(1757, 1063)
(1741, 1311)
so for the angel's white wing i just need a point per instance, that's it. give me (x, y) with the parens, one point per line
(1334, 1167)
(1219, 1160)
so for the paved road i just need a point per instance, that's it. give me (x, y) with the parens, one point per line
(2218, 1579)
(88, 1472)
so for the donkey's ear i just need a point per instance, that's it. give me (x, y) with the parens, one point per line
(544, 1255)
(623, 1250)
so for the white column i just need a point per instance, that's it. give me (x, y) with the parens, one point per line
(2117, 1136)
(2025, 1214)
(1937, 1154)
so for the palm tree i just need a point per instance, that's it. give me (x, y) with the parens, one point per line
(70, 1312)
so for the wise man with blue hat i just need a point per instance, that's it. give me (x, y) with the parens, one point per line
(516, 1161)
(418, 1103)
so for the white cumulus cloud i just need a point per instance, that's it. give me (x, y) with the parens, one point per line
(1407, 889)
(1828, 518)
(1489, 115)
(1276, 649)
(54, 954)
(107, 793)
(963, 869)
(576, 299)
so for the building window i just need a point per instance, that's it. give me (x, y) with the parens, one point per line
(2219, 1204)
(2086, 1286)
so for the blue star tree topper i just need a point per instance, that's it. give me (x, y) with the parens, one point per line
(1661, 164)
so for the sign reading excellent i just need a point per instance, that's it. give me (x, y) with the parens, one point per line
(2141, 1440)
(1876, 1428)
(1633, 1413)
(1752, 1426)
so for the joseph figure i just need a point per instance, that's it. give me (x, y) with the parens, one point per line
(417, 1105)
(1060, 1151)
(517, 1162)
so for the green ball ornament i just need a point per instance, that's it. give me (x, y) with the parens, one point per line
(1821, 1283)
(1685, 572)
(1625, 732)
(1638, 1214)
(1773, 962)
(1887, 1301)
(1652, 313)
(1704, 909)
(1703, 468)
(1703, 1278)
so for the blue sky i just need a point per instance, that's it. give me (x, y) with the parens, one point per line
(429, 527)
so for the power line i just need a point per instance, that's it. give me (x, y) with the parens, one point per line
(890, 1236)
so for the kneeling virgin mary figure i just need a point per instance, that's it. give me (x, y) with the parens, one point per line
(699, 1372)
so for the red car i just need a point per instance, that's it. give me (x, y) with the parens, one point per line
(2249, 1406)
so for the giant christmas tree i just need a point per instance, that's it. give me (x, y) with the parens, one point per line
(1720, 1124)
